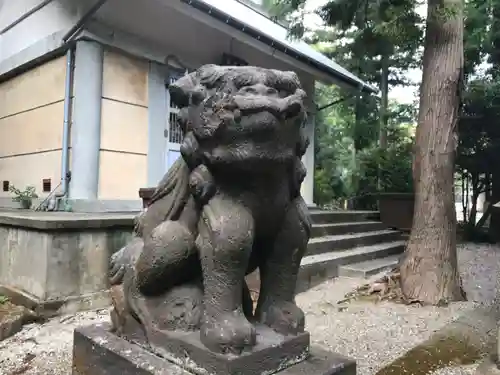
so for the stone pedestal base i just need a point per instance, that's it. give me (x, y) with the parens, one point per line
(97, 351)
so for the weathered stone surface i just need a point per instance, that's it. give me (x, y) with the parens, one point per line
(49, 265)
(12, 319)
(272, 352)
(55, 307)
(230, 205)
(97, 351)
(183, 347)
(66, 220)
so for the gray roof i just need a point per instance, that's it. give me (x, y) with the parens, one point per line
(267, 31)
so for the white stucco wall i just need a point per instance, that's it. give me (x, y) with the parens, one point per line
(307, 189)
(50, 19)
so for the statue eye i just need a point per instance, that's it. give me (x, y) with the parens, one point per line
(197, 96)
(209, 101)
(283, 94)
(247, 90)
(272, 91)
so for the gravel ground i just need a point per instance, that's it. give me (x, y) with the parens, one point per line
(374, 334)
(45, 349)
(377, 334)
(457, 370)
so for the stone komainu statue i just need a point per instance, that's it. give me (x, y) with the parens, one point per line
(230, 205)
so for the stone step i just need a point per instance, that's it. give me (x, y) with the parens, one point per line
(339, 242)
(341, 216)
(315, 209)
(369, 267)
(328, 229)
(315, 269)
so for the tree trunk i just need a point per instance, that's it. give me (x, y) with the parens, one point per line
(485, 216)
(384, 104)
(429, 271)
(467, 195)
(476, 191)
(464, 197)
(495, 214)
(470, 224)
(384, 100)
(355, 138)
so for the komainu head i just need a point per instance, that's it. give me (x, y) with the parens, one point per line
(241, 116)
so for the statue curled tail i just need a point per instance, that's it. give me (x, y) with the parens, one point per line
(167, 203)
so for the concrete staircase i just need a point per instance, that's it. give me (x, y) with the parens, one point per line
(350, 244)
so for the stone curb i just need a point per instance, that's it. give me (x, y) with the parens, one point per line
(488, 367)
(10, 326)
(476, 329)
(14, 319)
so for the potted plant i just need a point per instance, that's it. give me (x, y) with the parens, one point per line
(390, 171)
(24, 197)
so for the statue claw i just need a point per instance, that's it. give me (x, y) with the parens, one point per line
(229, 333)
(285, 318)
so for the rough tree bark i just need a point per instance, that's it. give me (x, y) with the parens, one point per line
(384, 100)
(429, 271)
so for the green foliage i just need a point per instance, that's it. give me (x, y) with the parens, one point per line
(25, 197)
(334, 146)
(344, 169)
(278, 10)
(3, 299)
(475, 33)
(387, 23)
(364, 30)
(493, 36)
(386, 170)
(478, 151)
(479, 133)
(444, 12)
(357, 34)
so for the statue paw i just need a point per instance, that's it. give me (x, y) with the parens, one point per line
(117, 267)
(122, 259)
(285, 318)
(229, 333)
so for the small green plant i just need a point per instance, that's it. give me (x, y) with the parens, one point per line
(24, 197)
(3, 300)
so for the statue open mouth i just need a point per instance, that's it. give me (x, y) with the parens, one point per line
(281, 108)
(261, 125)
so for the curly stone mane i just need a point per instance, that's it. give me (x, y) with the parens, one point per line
(207, 107)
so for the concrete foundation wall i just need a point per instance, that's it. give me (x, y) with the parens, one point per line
(31, 124)
(59, 262)
(124, 127)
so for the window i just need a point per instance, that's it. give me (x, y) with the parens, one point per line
(6, 185)
(46, 185)
(174, 130)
